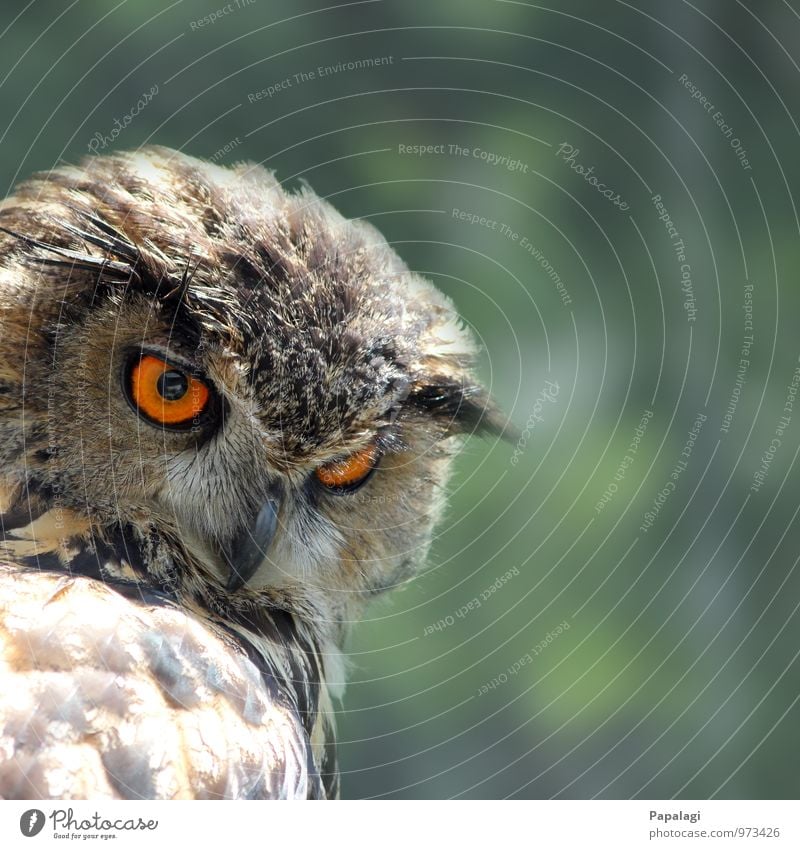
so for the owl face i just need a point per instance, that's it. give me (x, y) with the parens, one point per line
(229, 388)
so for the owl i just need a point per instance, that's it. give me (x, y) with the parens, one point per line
(227, 417)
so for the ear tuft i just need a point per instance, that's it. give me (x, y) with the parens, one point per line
(462, 407)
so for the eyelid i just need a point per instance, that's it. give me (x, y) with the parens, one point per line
(175, 359)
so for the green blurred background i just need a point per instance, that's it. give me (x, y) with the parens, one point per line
(607, 654)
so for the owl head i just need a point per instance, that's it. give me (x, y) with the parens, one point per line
(221, 390)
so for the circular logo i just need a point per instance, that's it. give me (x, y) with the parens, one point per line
(31, 822)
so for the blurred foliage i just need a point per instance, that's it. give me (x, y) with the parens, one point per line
(678, 673)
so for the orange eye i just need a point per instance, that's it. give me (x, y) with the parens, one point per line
(349, 472)
(165, 394)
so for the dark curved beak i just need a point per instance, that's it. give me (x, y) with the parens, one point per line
(247, 550)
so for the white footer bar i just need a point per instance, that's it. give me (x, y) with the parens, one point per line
(410, 825)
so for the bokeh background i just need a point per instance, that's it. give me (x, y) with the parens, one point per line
(563, 642)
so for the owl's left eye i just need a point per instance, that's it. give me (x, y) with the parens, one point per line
(348, 473)
(166, 394)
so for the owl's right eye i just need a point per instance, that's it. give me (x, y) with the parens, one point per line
(166, 394)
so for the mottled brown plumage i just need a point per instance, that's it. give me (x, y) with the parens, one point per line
(202, 581)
